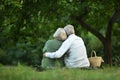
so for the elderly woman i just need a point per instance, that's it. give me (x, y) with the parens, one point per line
(77, 55)
(51, 46)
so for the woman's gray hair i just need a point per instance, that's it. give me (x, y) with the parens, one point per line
(60, 34)
(69, 29)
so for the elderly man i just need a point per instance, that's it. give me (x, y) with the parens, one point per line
(51, 46)
(76, 56)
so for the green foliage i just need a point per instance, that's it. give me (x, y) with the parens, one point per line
(116, 44)
(116, 60)
(90, 42)
(30, 54)
(25, 53)
(25, 25)
(3, 56)
(1, 65)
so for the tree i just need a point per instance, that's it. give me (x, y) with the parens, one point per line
(26, 21)
(94, 16)
(24, 28)
(106, 40)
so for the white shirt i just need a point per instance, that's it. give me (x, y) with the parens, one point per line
(76, 57)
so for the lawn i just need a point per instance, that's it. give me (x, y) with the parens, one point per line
(28, 73)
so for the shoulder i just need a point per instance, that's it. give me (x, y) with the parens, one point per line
(49, 41)
(72, 37)
(52, 41)
(75, 36)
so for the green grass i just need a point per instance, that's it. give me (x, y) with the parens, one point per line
(27, 73)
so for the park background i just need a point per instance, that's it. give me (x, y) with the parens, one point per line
(25, 26)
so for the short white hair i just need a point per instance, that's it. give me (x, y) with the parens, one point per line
(60, 34)
(69, 29)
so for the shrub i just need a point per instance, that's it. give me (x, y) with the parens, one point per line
(116, 60)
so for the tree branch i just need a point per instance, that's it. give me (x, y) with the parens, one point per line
(111, 22)
(89, 28)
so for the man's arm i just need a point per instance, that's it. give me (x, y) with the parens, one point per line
(64, 47)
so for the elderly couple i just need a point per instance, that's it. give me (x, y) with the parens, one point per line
(65, 50)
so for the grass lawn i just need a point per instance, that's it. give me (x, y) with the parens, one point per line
(27, 73)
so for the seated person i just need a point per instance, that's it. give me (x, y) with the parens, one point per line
(76, 56)
(51, 46)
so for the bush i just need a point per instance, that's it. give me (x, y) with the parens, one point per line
(30, 54)
(3, 57)
(116, 60)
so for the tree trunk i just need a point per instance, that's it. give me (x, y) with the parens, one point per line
(106, 41)
(108, 38)
(108, 52)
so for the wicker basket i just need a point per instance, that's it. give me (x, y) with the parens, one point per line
(95, 61)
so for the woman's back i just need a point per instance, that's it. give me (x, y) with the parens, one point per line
(51, 46)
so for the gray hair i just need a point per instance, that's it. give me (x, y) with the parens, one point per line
(69, 29)
(60, 34)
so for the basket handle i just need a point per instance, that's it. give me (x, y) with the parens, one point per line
(93, 51)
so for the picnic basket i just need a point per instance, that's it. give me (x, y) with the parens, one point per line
(96, 60)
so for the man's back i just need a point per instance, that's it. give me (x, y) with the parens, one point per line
(77, 56)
